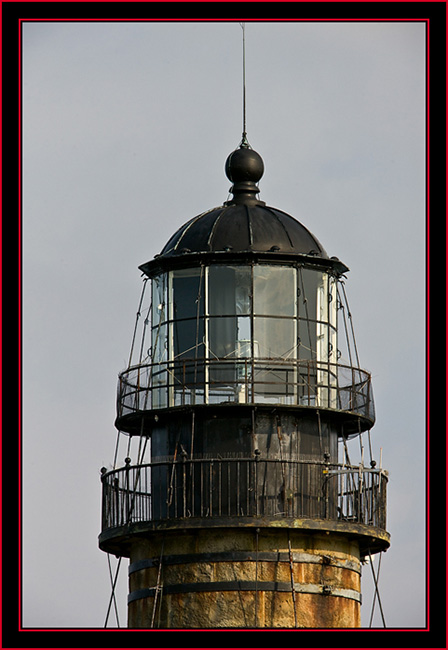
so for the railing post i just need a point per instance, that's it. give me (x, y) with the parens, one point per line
(119, 396)
(257, 453)
(382, 480)
(105, 505)
(114, 507)
(127, 461)
(308, 383)
(210, 488)
(219, 487)
(368, 396)
(326, 482)
(360, 494)
(184, 482)
(137, 392)
(183, 383)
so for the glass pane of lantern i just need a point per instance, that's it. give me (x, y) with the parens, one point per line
(309, 280)
(187, 293)
(274, 290)
(244, 339)
(322, 375)
(307, 339)
(159, 344)
(275, 337)
(332, 337)
(222, 335)
(322, 342)
(228, 338)
(243, 289)
(274, 378)
(159, 390)
(322, 297)
(159, 302)
(187, 330)
(188, 337)
(332, 301)
(229, 290)
(187, 312)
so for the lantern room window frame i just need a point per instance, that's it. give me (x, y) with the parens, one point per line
(210, 327)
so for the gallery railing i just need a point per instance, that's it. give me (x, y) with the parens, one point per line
(291, 382)
(243, 487)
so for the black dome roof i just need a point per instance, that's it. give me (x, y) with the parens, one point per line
(239, 227)
(242, 226)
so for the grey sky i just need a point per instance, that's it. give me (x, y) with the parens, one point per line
(126, 128)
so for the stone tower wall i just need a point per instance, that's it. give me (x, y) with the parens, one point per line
(243, 579)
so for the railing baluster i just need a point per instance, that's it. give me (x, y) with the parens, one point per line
(184, 486)
(237, 488)
(211, 489)
(219, 488)
(228, 489)
(256, 486)
(247, 489)
(192, 474)
(202, 489)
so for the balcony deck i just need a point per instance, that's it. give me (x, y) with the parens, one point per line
(215, 492)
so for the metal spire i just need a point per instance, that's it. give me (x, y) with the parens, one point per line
(244, 142)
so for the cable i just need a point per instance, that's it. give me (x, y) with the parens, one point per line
(136, 320)
(145, 325)
(170, 487)
(116, 449)
(349, 349)
(112, 596)
(113, 592)
(351, 324)
(293, 591)
(257, 530)
(157, 589)
(192, 440)
(137, 479)
(361, 441)
(305, 302)
(377, 593)
(319, 427)
(372, 462)
(198, 311)
(349, 480)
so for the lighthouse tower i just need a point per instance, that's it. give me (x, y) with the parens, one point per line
(238, 506)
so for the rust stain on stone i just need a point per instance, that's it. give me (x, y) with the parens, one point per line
(323, 565)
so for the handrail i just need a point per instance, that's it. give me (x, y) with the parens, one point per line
(292, 382)
(234, 487)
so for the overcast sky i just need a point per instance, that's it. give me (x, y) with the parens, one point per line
(126, 129)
